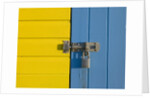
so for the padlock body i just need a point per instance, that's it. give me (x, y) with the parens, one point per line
(85, 62)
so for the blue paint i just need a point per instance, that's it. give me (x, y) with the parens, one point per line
(79, 78)
(79, 32)
(98, 33)
(106, 26)
(116, 52)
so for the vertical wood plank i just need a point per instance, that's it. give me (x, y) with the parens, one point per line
(116, 47)
(80, 22)
(98, 33)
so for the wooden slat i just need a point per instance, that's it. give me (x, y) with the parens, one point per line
(79, 75)
(98, 33)
(41, 47)
(43, 65)
(42, 29)
(117, 43)
(43, 81)
(44, 13)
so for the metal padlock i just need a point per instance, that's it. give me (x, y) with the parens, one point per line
(84, 47)
(85, 60)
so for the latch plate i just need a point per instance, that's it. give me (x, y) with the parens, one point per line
(66, 46)
(84, 46)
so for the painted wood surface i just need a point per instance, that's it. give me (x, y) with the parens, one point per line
(41, 62)
(79, 33)
(116, 50)
(98, 33)
(53, 14)
(106, 26)
(41, 47)
(43, 65)
(40, 53)
(42, 81)
(47, 29)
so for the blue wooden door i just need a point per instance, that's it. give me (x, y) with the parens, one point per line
(106, 26)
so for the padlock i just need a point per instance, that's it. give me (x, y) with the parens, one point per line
(84, 47)
(85, 60)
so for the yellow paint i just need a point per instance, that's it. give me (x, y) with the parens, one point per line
(41, 47)
(43, 81)
(43, 65)
(44, 14)
(41, 62)
(44, 29)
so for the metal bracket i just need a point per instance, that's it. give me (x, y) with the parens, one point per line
(84, 47)
(66, 46)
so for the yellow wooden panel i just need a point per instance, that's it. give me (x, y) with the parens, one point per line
(43, 65)
(44, 13)
(41, 62)
(44, 29)
(43, 81)
(41, 47)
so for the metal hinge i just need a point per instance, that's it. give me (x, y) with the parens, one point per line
(84, 47)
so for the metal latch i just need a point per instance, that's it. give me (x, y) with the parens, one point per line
(84, 47)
